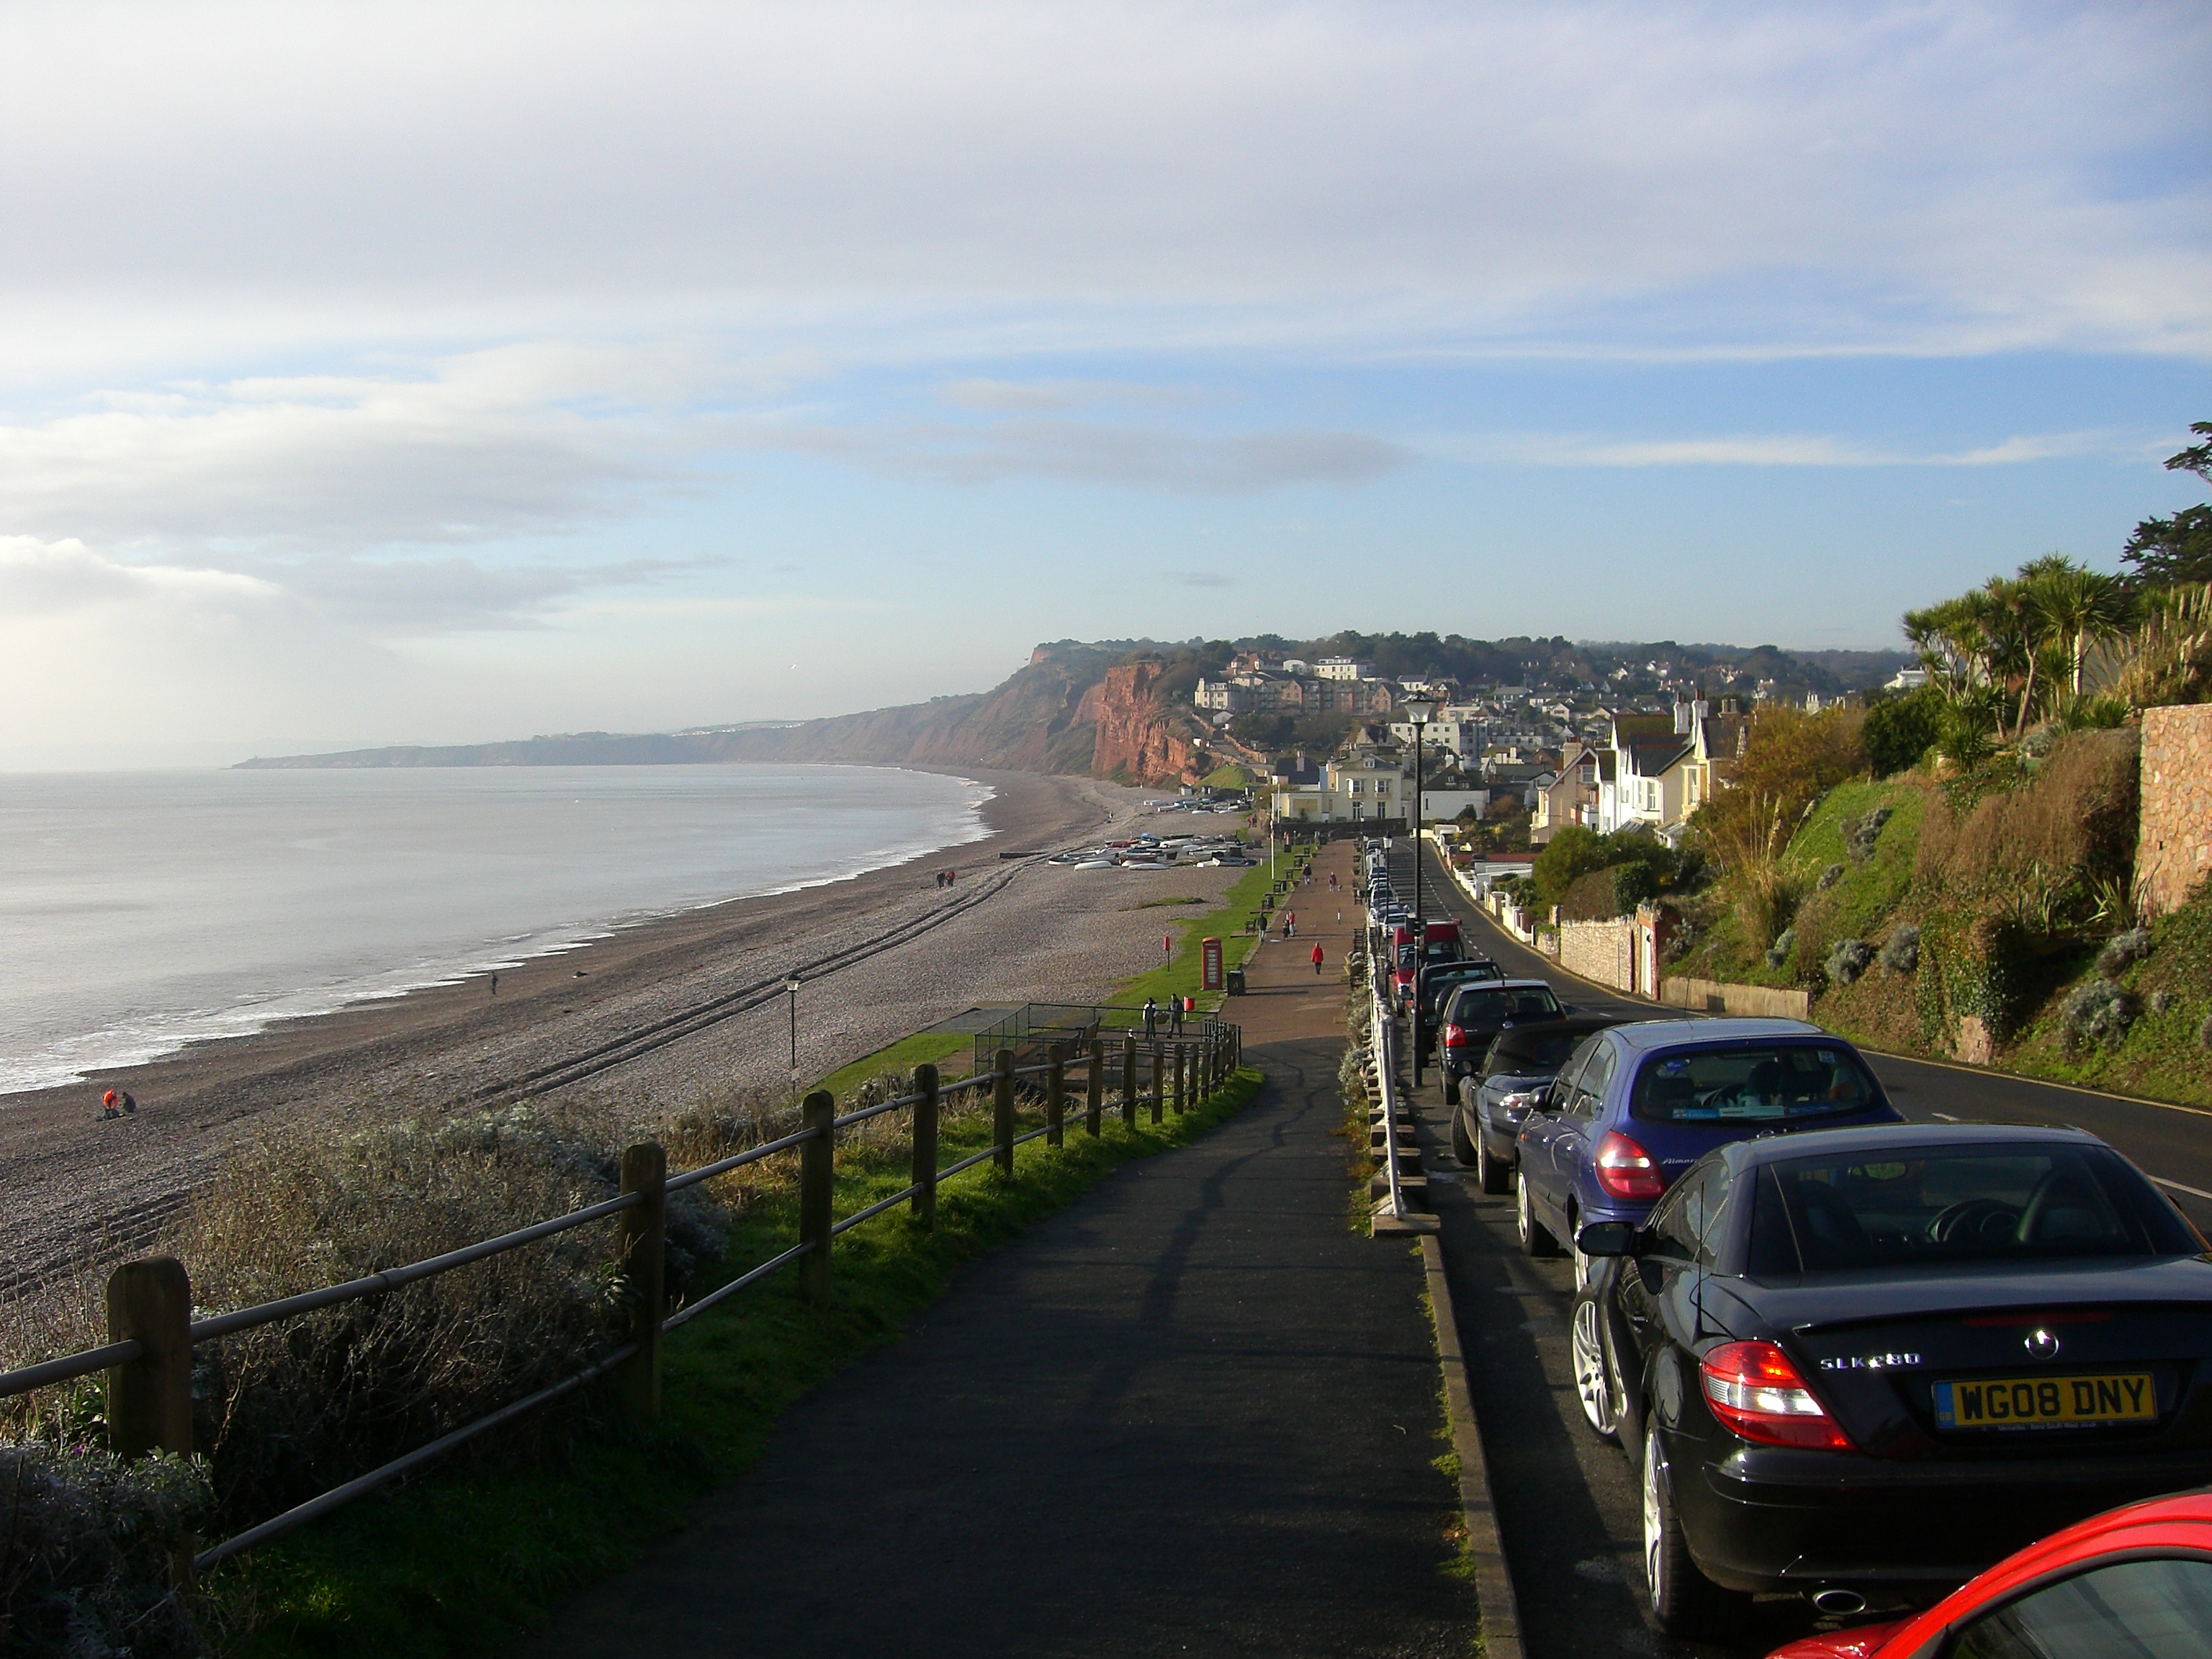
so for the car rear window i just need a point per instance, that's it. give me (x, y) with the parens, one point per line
(1972, 1204)
(1784, 1083)
(1526, 1053)
(1484, 1006)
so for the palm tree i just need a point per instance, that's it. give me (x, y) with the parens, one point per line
(2077, 606)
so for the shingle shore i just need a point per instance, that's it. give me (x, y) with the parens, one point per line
(71, 1182)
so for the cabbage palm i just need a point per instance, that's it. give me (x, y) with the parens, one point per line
(2077, 606)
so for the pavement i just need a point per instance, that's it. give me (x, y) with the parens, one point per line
(1196, 1412)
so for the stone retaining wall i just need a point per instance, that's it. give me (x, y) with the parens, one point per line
(1711, 996)
(2174, 852)
(1602, 950)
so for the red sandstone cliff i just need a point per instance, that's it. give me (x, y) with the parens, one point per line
(1138, 738)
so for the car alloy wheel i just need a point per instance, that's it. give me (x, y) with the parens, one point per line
(1469, 1152)
(1582, 1269)
(1684, 1601)
(1492, 1176)
(1593, 1372)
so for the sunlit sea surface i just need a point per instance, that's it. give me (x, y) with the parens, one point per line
(140, 911)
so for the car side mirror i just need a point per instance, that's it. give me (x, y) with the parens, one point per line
(1607, 1238)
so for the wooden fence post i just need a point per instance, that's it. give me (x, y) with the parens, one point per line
(924, 1208)
(1129, 1078)
(149, 1400)
(1182, 1062)
(1002, 1110)
(818, 1171)
(1055, 1097)
(644, 1235)
(1094, 1117)
(1159, 1077)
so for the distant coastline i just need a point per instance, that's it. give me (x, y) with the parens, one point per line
(707, 745)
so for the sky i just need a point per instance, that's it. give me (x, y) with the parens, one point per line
(393, 374)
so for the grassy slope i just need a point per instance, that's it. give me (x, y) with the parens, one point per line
(2162, 1056)
(1227, 921)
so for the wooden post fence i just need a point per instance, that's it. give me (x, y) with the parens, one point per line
(1159, 1077)
(818, 1171)
(1002, 1110)
(1055, 1097)
(1129, 1078)
(149, 1400)
(924, 1208)
(1094, 1112)
(1181, 1059)
(644, 1263)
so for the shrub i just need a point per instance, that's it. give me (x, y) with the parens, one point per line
(2205, 1033)
(1974, 967)
(2122, 950)
(85, 1542)
(1779, 952)
(1898, 730)
(2162, 1002)
(1900, 954)
(1848, 958)
(2072, 819)
(1604, 894)
(1830, 877)
(2098, 1012)
(1860, 833)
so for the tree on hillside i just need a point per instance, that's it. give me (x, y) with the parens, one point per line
(1791, 760)
(2169, 551)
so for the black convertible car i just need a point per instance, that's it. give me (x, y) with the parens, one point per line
(1862, 1364)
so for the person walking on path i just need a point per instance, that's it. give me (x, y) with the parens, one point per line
(1175, 1016)
(1316, 961)
(1152, 1019)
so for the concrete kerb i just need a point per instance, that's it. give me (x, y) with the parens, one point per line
(1493, 1579)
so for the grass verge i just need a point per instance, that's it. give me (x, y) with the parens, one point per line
(457, 1565)
(1228, 921)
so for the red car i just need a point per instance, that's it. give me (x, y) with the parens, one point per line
(2135, 1581)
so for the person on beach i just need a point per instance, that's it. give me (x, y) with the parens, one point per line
(495, 984)
(1316, 961)
(1152, 1019)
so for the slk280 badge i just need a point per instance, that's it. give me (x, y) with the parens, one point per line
(1871, 1361)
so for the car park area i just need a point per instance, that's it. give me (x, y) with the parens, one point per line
(1571, 1505)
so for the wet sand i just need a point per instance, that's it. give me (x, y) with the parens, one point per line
(79, 1187)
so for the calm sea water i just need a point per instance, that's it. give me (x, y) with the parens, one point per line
(139, 911)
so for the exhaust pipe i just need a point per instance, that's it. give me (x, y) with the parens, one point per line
(1842, 1602)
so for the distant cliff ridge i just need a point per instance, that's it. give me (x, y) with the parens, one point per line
(1068, 709)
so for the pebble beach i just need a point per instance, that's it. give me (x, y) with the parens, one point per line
(78, 1188)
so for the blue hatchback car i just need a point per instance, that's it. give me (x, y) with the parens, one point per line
(1635, 1105)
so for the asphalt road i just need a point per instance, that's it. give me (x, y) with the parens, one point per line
(1567, 1503)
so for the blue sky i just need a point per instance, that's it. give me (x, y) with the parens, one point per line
(374, 374)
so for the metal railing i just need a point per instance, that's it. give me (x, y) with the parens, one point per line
(149, 1365)
(1383, 1038)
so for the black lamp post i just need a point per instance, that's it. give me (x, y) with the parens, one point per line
(791, 996)
(1422, 709)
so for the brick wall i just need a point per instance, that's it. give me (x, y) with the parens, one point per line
(2175, 849)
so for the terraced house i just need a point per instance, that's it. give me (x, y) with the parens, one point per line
(1367, 779)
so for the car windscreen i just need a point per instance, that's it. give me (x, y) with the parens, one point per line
(1536, 1053)
(1967, 1204)
(1793, 1083)
(1481, 1006)
(1439, 983)
(1441, 950)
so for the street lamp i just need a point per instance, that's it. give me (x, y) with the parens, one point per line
(1423, 708)
(791, 996)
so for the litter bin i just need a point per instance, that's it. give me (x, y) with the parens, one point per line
(1235, 981)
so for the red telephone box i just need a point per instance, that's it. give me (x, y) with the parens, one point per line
(1209, 965)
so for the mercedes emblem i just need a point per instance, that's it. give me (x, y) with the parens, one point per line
(2041, 1344)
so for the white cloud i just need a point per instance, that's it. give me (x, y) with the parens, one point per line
(1783, 449)
(1916, 175)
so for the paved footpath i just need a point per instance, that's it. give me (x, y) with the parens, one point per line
(1193, 1412)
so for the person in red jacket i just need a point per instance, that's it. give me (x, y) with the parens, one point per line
(1316, 961)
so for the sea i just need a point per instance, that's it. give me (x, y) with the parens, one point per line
(143, 911)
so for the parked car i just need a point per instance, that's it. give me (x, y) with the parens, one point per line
(1474, 1014)
(2134, 1580)
(1647, 1100)
(1437, 941)
(1862, 1364)
(1516, 1077)
(1435, 983)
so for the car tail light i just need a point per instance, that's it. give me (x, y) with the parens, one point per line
(1625, 1170)
(1754, 1390)
(1455, 1037)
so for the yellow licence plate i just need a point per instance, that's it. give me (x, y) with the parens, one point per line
(2009, 1402)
